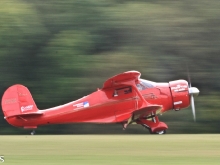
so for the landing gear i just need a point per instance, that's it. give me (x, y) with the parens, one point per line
(159, 132)
(154, 126)
(33, 132)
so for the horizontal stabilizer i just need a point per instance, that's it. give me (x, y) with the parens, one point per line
(27, 114)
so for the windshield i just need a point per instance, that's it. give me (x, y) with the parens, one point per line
(144, 84)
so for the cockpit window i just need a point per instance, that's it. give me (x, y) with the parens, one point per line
(147, 84)
(122, 91)
(144, 84)
(140, 87)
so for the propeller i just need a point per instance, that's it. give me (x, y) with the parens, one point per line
(193, 91)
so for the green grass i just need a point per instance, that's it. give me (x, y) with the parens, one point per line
(111, 149)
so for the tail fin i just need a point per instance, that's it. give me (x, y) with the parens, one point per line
(17, 101)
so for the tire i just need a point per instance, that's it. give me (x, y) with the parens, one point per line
(159, 132)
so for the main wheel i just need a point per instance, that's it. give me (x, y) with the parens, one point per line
(33, 132)
(159, 132)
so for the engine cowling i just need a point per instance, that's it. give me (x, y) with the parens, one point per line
(180, 94)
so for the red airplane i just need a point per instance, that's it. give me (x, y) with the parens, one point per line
(124, 98)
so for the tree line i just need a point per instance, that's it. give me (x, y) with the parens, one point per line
(63, 50)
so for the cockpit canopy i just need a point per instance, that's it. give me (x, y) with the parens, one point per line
(144, 84)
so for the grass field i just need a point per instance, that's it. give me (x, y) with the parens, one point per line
(111, 149)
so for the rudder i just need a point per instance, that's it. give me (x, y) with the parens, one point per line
(17, 100)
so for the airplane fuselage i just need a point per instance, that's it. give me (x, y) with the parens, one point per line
(112, 105)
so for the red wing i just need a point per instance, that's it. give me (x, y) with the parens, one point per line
(143, 108)
(120, 78)
(146, 111)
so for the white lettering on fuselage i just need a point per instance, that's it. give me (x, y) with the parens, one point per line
(178, 102)
(26, 108)
(10, 101)
(179, 88)
(81, 105)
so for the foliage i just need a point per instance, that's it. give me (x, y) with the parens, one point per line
(63, 50)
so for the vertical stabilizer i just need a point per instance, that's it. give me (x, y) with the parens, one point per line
(17, 100)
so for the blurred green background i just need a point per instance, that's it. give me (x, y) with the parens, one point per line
(63, 50)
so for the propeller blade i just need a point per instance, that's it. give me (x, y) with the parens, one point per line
(188, 75)
(193, 108)
(193, 91)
